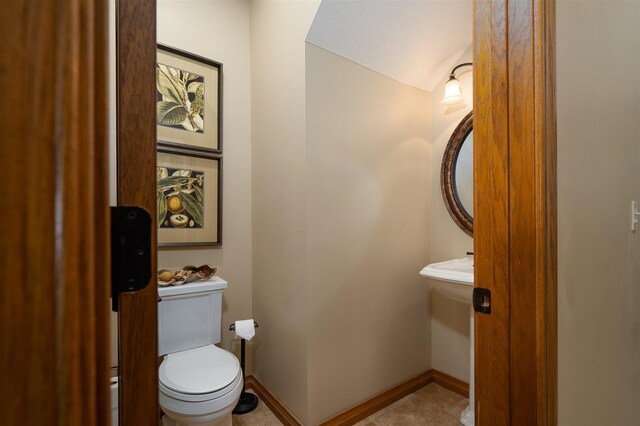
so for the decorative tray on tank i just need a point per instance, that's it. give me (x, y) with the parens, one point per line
(185, 275)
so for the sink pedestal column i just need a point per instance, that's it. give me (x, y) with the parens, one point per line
(467, 416)
(454, 280)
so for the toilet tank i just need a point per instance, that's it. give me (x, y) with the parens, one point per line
(190, 315)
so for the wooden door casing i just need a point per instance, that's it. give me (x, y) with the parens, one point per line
(515, 222)
(532, 157)
(54, 248)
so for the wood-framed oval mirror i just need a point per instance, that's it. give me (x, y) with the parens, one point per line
(456, 175)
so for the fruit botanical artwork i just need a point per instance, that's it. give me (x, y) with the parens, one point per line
(188, 197)
(180, 99)
(180, 198)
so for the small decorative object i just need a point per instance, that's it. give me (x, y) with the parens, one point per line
(185, 275)
(188, 193)
(188, 100)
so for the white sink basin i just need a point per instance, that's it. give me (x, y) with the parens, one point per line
(453, 278)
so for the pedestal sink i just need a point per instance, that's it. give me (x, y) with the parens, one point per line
(454, 279)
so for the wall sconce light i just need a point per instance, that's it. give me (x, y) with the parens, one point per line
(452, 92)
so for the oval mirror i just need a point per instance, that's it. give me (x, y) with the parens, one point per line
(456, 175)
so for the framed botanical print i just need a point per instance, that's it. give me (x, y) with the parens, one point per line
(188, 100)
(189, 197)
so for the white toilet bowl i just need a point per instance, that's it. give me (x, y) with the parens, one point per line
(199, 386)
(114, 401)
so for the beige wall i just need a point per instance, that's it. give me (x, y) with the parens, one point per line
(449, 319)
(598, 95)
(278, 31)
(368, 213)
(219, 30)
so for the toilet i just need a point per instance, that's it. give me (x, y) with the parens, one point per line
(199, 383)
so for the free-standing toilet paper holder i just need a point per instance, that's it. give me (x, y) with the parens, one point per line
(248, 401)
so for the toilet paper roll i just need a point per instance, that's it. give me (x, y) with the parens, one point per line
(245, 329)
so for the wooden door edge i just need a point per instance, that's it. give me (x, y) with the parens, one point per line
(136, 170)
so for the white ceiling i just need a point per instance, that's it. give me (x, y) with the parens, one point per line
(413, 41)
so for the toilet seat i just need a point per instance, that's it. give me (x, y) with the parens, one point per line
(185, 409)
(199, 374)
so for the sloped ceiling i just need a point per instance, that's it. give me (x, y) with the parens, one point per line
(413, 41)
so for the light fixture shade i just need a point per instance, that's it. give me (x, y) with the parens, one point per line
(452, 92)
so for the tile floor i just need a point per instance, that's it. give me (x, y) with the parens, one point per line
(432, 405)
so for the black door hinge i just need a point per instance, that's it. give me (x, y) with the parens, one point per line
(130, 251)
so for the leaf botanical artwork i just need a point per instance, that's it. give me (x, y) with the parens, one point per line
(188, 100)
(180, 198)
(180, 99)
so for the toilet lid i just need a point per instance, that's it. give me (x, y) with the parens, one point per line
(199, 371)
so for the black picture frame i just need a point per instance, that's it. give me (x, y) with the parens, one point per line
(171, 149)
(186, 140)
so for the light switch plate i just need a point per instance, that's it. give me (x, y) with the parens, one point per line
(635, 214)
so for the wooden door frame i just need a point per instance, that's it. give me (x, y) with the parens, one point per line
(515, 205)
(136, 164)
(54, 248)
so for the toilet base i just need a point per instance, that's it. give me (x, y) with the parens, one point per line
(223, 421)
(247, 403)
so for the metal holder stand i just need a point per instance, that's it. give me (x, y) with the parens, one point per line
(248, 401)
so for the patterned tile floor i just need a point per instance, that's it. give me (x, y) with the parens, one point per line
(432, 405)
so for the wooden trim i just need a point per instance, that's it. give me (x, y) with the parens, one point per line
(136, 139)
(276, 407)
(54, 319)
(532, 159)
(546, 211)
(451, 383)
(378, 402)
